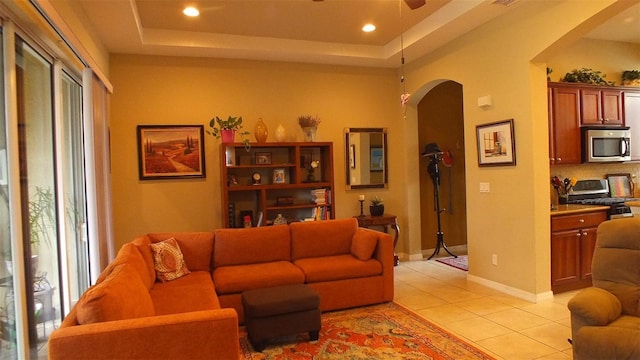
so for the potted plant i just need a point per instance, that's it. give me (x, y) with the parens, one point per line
(309, 125)
(587, 76)
(631, 77)
(41, 224)
(227, 129)
(377, 207)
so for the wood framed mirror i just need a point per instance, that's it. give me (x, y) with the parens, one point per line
(366, 158)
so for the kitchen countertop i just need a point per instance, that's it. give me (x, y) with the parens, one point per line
(632, 203)
(568, 209)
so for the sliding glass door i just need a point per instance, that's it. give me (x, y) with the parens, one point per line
(7, 290)
(38, 192)
(44, 242)
(76, 262)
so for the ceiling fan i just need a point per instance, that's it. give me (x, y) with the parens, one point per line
(414, 4)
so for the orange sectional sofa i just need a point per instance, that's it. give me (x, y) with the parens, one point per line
(127, 314)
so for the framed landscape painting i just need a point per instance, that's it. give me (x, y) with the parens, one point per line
(171, 151)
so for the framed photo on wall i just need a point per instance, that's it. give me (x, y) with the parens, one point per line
(496, 144)
(170, 152)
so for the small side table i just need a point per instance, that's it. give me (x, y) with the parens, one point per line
(385, 221)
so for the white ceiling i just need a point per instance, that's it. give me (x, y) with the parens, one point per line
(302, 30)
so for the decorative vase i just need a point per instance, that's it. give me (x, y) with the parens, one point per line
(281, 134)
(261, 132)
(280, 220)
(376, 210)
(309, 133)
(228, 136)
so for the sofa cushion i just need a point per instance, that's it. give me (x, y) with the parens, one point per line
(238, 278)
(196, 247)
(189, 293)
(338, 267)
(122, 295)
(312, 239)
(363, 244)
(168, 260)
(251, 246)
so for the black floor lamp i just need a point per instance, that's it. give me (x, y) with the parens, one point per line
(434, 154)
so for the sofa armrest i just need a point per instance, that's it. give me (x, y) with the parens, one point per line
(167, 336)
(595, 306)
(384, 253)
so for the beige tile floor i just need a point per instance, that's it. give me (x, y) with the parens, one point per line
(503, 326)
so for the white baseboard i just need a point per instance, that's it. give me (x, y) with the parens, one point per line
(462, 250)
(424, 254)
(521, 294)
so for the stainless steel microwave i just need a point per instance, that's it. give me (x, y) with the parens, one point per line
(606, 144)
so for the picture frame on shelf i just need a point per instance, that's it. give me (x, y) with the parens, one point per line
(306, 157)
(496, 144)
(170, 152)
(279, 176)
(263, 158)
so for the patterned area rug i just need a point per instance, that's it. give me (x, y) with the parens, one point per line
(385, 331)
(461, 262)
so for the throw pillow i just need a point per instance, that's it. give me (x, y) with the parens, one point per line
(168, 260)
(363, 244)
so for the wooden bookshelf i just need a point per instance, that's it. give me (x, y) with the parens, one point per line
(285, 186)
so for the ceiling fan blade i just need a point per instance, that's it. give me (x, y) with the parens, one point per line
(414, 4)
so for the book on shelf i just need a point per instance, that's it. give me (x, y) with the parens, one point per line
(321, 213)
(232, 214)
(321, 196)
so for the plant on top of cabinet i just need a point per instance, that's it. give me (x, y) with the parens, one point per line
(587, 76)
(631, 77)
(226, 129)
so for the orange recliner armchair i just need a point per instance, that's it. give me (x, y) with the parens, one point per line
(605, 319)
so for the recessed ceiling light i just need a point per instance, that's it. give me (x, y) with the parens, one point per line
(368, 28)
(191, 11)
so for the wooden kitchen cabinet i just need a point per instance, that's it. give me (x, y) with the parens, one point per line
(600, 106)
(632, 120)
(572, 106)
(573, 239)
(564, 124)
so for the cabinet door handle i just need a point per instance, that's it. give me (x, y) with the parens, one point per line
(581, 220)
(559, 159)
(578, 234)
(584, 233)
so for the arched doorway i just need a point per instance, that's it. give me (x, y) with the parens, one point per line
(440, 121)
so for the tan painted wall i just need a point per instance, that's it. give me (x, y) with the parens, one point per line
(609, 57)
(168, 90)
(512, 221)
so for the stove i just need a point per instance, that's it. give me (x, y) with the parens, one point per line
(596, 192)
